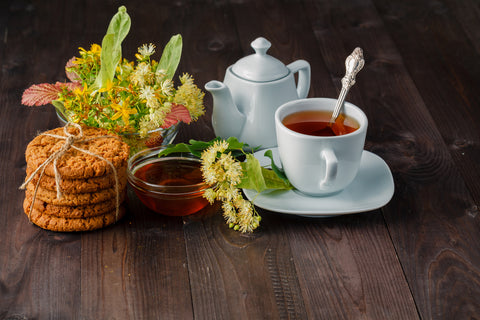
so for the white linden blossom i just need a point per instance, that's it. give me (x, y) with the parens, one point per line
(224, 173)
(142, 74)
(160, 75)
(166, 87)
(148, 94)
(147, 50)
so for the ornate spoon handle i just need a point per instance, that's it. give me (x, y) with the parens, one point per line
(353, 64)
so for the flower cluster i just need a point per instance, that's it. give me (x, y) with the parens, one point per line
(224, 173)
(140, 98)
(111, 92)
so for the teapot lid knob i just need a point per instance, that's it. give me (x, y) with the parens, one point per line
(260, 67)
(261, 45)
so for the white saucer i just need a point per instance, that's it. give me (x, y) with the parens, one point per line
(371, 189)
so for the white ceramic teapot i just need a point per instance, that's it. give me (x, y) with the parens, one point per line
(254, 87)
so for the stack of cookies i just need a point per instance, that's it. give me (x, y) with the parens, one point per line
(90, 192)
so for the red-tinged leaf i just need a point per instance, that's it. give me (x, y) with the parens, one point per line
(177, 114)
(69, 85)
(72, 76)
(40, 94)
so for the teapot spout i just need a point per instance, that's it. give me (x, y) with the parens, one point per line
(227, 120)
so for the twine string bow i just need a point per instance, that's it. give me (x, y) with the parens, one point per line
(70, 140)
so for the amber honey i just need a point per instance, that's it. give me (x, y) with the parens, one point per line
(171, 186)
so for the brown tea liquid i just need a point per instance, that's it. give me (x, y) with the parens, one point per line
(317, 123)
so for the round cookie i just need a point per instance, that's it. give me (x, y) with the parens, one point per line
(79, 185)
(70, 211)
(75, 164)
(76, 199)
(53, 223)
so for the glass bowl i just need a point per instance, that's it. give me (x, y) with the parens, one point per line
(171, 185)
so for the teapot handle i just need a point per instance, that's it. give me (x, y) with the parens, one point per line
(303, 69)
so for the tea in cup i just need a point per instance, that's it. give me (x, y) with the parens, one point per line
(320, 159)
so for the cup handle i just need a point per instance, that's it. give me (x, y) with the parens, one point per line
(331, 164)
(303, 69)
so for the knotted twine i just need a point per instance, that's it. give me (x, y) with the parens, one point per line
(70, 140)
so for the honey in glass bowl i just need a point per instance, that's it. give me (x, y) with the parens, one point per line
(171, 185)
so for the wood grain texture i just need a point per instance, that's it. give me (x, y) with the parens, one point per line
(352, 269)
(35, 265)
(442, 55)
(139, 269)
(431, 197)
(417, 257)
(250, 275)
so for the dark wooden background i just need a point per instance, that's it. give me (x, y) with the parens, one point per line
(418, 257)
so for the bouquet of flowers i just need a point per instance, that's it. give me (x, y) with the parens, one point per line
(122, 96)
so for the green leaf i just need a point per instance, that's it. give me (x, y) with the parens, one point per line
(176, 148)
(171, 56)
(120, 24)
(234, 144)
(196, 147)
(273, 181)
(258, 178)
(253, 176)
(112, 47)
(279, 172)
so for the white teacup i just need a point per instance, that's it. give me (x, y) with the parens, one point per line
(320, 165)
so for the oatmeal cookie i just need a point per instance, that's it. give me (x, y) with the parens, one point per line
(75, 164)
(93, 184)
(84, 211)
(54, 223)
(76, 199)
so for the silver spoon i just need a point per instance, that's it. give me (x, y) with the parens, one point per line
(354, 63)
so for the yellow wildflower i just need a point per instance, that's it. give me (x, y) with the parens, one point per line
(95, 49)
(124, 111)
(108, 88)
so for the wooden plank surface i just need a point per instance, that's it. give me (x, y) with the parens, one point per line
(431, 198)
(418, 257)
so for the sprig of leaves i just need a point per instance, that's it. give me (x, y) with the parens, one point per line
(196, 147)
(255, 176)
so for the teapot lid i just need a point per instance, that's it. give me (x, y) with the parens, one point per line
(260, 66)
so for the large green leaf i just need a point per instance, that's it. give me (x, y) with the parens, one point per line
(171, 56)
(279, 172)
(253, 176)
(259, 178)
(112, 47)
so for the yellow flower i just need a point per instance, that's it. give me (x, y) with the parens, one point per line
(107, 88)
(124, 111)
(95, 49)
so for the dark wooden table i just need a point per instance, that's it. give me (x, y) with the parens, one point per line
(417, 257)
